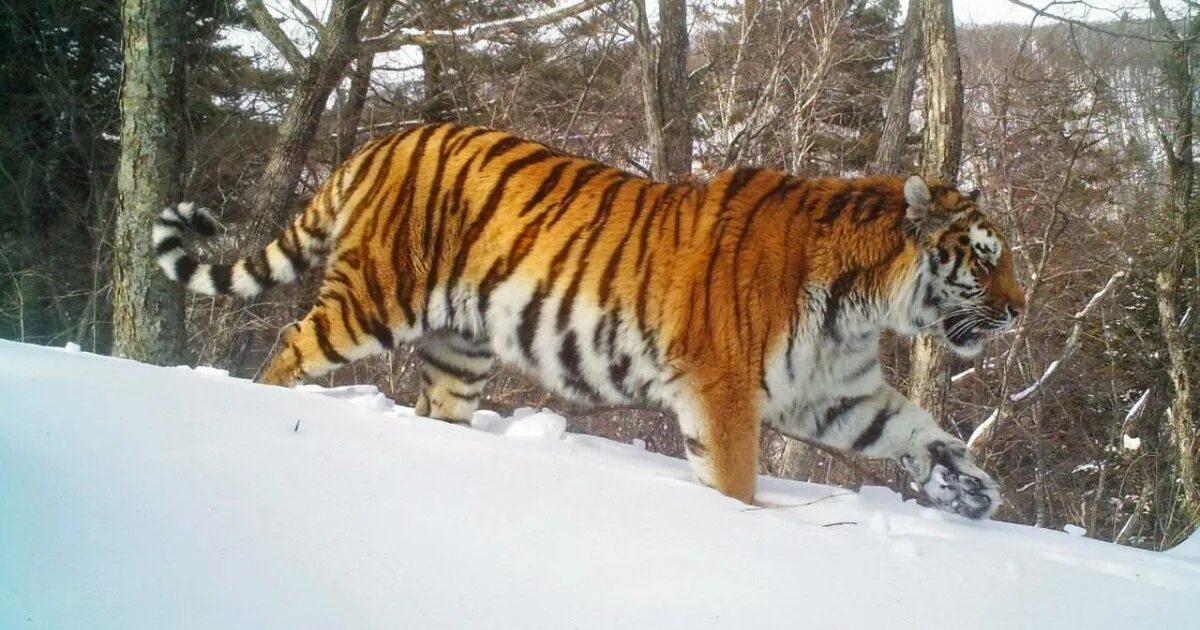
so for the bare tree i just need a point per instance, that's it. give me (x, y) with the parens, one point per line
(664, 88)
(899, 105)
(147, 310)
(318, 74)
(940, 152)
(1180, 213)
(351, 109)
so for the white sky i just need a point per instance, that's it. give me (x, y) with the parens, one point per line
(991, 11)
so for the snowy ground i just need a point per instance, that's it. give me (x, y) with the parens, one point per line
(140, 497)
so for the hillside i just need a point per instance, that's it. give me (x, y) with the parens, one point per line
(134, 496)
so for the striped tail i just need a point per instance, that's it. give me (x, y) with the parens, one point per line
(280, 262)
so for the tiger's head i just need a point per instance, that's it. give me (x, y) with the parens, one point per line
(967, 278)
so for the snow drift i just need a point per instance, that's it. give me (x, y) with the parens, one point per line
(134, 496)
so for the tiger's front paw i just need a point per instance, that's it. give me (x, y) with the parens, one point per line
(952, 482)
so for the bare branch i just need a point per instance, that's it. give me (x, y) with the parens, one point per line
(1072, 341)
(476, 32)
(270, 29)
(1092, 27)
(308, 15)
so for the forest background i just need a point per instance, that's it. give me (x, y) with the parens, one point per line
(1076, 123)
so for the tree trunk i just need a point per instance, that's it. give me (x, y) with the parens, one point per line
(1178, 211)
(929, 381)
(147, 308)
(664, 89)
(673, 92)
(360, 85)
(438, 102)
(899, 106)
(272, 196)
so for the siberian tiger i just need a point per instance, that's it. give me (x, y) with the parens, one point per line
(754, 297)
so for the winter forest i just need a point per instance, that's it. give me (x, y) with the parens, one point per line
(1077, 125)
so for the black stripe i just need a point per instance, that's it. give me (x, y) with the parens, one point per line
(834, 414)
(834, 206)
(184, 268)
(394, 213)
(619, 371)
(614, 260)
(875, 430)
(740, 179)
(862, 370)
(168, 244)
(462, 374)
(344, 311)
(568, 356)
(547, 185)
(452, 203)
(222, 277)
(486, 213)
(500, 147)
(203, 224)
(582, 176)
(471, 353)
(640, 305)
(172, 223)
(292, 251)
(599, 333)
(258, 268)
(465, 397)
(438, 210)
(382, 333)
(530, 315)
(738, 251)
(331, 355)
(695, 447)
(365, 323)
(839, 291)
(595, 229)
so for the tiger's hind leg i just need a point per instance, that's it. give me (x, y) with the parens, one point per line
(453, 374)
(720, 429)
(325, 339)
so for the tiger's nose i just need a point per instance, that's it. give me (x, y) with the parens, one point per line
(1013, 312)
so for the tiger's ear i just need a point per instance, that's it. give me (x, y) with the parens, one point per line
(918, 197)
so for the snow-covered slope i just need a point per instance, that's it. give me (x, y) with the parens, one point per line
(140, 497)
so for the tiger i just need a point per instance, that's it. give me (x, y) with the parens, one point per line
(755, 297)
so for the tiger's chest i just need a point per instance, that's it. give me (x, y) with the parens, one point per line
(807, 373)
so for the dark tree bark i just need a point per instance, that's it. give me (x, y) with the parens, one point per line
(941, 149)
(1179, 210)
(895, 126)
(147, 308)
(673, 90)
(664, 89)
(318, 75)
(350, 113)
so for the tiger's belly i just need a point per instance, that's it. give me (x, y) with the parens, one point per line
(573, 347)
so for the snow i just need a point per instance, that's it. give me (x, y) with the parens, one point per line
(141, 497)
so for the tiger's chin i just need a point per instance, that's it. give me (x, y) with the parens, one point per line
(967, 348)
(966, 342)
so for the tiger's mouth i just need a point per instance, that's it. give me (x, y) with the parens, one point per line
(965, 334)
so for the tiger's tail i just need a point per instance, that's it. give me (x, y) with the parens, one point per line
(300, 247)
